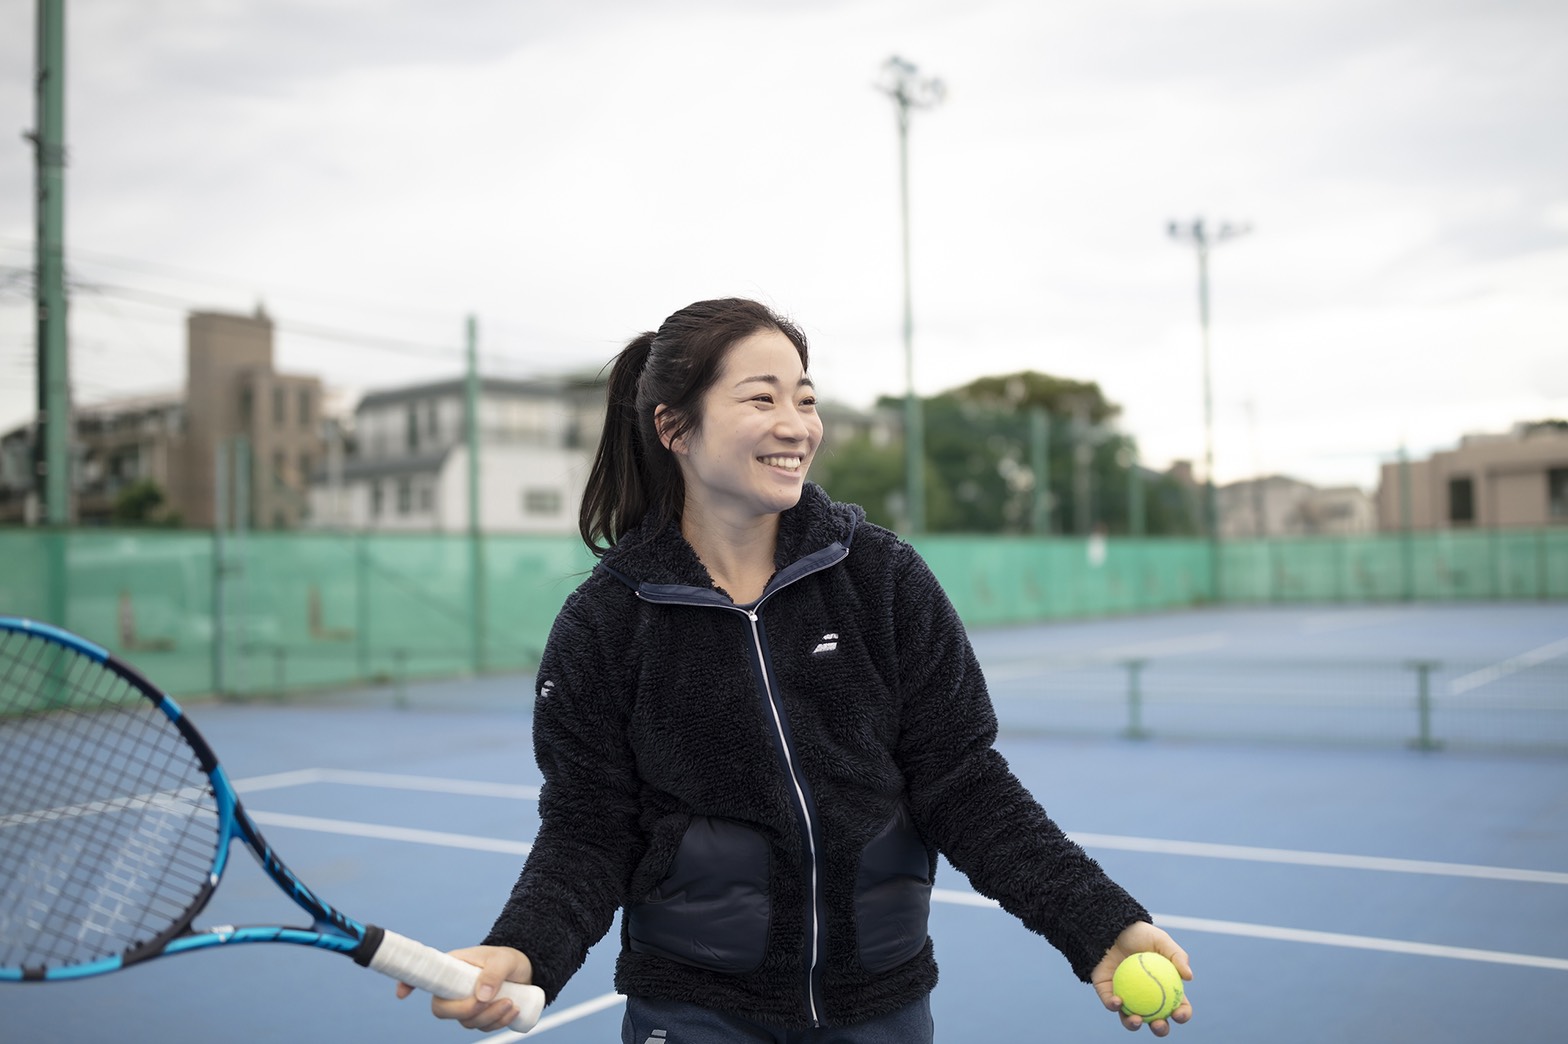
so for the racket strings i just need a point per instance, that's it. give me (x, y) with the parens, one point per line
(108, 829)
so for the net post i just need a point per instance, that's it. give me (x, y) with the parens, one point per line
(280, 656)
(1424, 739)
(1135, 729)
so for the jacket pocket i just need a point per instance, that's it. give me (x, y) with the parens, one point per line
(893, 895)
(711, 910)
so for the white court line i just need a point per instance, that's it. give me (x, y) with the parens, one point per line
(1323, 623)
(1191, 924)
(945, 895)
(1487, 675)
(392, 833)
(1248, 853)
(388, 780)
(1243, 853)
(296, 778)
(560, 1018)
(1178, 646)
(1303, 935)
(1008, 670)
(1360, 942)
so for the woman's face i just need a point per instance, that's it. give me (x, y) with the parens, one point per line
(758, 432)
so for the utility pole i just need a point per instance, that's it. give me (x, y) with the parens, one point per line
(52, 450)
(902, 82)
(1201, 238)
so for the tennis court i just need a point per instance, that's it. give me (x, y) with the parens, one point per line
(1336, 872)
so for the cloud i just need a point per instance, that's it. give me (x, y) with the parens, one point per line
(570, 173)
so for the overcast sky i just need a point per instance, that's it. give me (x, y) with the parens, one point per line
(571, 171)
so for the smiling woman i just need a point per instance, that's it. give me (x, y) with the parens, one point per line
(759, 721)
(747, 460)
(659, 388)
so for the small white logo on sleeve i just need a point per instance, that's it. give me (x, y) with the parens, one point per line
(828, 643)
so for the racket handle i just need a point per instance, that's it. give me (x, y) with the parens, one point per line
(426, 968)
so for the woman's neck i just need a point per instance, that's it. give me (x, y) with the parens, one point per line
(739, 556)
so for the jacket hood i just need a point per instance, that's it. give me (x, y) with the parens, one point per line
(660, 556)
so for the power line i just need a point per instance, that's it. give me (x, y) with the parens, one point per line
(248, 287)
(159, 299)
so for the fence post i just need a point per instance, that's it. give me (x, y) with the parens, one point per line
(1135, 729)
(1424, 740)
(400, 677)
(362, 601)
(280, 657)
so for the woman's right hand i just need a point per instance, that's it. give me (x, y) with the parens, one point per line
(484, 1010)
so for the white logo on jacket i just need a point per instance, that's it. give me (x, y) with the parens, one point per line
(828, 643)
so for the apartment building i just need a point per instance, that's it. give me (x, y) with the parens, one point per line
(1277, 505)
(264, 424)
(404, 465)
(1489, 481)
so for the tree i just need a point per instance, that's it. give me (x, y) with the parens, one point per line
(1061, 396)
(980, 463)
(860, 472)
(142, 504)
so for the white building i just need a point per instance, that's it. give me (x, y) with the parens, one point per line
(404, 466)
(1277, 505)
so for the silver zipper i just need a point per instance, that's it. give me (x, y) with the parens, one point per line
(789, 762)
(806, 820)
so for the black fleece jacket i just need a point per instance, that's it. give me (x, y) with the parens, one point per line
(764, 789)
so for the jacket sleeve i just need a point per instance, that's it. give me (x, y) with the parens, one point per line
(967, 801)
(574, 878)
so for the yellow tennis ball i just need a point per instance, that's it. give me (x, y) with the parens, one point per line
(1149, 986)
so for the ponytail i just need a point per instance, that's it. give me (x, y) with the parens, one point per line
(619, 490)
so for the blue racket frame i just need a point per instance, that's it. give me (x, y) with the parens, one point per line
(330, 929)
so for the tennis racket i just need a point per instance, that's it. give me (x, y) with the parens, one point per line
(116, 823)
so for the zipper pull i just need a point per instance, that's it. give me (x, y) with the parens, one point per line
(753, 614)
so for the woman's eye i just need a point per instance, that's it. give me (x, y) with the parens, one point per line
(809, 401)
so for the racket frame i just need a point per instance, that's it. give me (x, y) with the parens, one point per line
(331, 929)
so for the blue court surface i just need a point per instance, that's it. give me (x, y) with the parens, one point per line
(1344, 858)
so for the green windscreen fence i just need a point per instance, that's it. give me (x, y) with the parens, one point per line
(1464, 565)
(274, 612)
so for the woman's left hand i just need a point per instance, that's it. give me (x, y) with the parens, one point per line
(1141, 937)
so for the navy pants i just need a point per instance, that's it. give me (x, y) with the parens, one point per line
(670, 1022)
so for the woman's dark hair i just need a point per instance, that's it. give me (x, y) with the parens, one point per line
(633, 475)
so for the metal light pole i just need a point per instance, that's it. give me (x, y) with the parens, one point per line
(902, 82)
(1200, 237)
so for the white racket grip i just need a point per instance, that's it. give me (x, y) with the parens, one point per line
(428, 969)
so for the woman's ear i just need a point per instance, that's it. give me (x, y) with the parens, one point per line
(661, 424)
